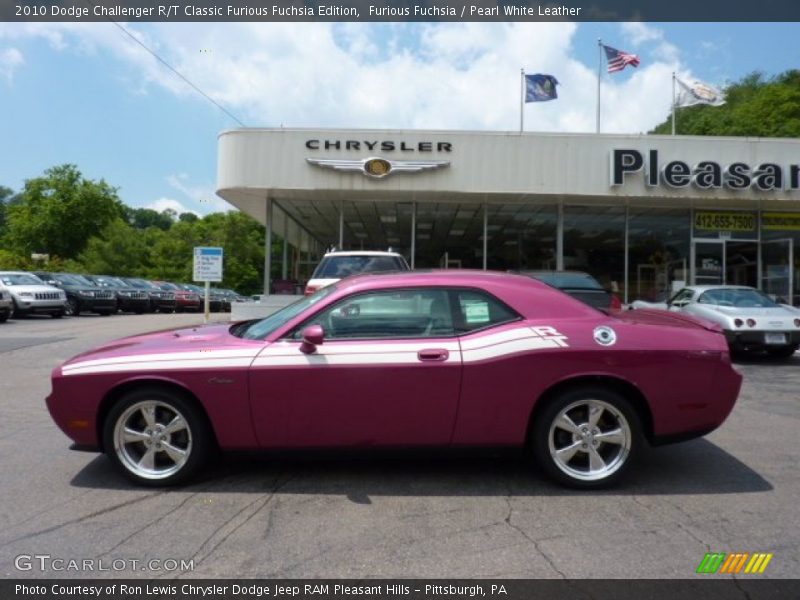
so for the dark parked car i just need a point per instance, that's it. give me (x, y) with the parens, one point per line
(580, 286)
(129, 298)
(82, 295)
(184, 300)
(160, 300)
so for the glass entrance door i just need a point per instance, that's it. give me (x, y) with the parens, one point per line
(777, 260)
(708, 262)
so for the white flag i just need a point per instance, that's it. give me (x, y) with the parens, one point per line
(697, 92)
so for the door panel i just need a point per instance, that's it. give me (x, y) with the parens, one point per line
(356, 393)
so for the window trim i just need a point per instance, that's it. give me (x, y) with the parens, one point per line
(452, 299)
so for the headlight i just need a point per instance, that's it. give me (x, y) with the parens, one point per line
(26, 294)
(87, 293)
(126, 294)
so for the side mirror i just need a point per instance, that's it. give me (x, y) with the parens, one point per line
(313, 336)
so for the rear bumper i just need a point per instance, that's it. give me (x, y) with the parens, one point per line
(756, 339)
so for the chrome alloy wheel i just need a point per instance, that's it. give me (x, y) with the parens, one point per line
(152, 439)
(589, 440)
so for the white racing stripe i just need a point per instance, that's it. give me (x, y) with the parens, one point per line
(286, 354)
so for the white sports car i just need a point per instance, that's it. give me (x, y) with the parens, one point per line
(751, 320)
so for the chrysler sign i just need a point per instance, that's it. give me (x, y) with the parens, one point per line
(705, 174)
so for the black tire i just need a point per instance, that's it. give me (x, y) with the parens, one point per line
(73, 307)
(196, 438)
(58, 315)
(572, 468)
(4, 316)
(782, 352)
(16, 313)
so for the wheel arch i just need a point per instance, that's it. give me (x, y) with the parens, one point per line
(118, 391)
(615, 383)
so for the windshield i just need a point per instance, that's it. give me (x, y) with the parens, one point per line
(258, 330)
(84, 280)
(65, 279)
(338, 267)
(109, 282)
(742, 298)
(140, 283)
(20, 279)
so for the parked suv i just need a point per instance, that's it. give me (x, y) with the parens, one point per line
(5, 304)
(160, 300)
(129, 299)
(337, 265)
(82, 296)
(30, 294)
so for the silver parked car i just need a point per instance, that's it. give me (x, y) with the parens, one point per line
(30, 294)
(5, 304)
(751, 320)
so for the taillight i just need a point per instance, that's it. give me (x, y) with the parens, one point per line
(310, 289)
(751, 322)
(616, 303)
(738, 322)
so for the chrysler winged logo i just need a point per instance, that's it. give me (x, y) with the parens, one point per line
(378, 167)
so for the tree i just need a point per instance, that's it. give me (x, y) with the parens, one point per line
(142, 218)
(6, 198)
(188, 217)
(118, 250)
(58, 213)
(755, 106)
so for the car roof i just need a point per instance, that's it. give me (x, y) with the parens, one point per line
(361, 253)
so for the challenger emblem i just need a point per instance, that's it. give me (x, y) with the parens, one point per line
(378, 168)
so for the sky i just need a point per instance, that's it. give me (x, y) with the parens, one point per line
(87, 94)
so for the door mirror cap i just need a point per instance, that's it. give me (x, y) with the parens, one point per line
(313, 335)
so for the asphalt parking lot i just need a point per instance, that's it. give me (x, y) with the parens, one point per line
(736, 490)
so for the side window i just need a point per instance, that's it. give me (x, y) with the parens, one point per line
(478, 311)
(682, 297)
(385, 315)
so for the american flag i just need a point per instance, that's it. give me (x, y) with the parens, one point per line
(618, 60)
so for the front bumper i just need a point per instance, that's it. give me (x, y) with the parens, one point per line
(98, 305)
(34, 306)
(137, 305)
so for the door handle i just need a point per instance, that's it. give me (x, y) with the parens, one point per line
(433, 355)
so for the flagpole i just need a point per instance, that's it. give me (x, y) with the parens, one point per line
(521, 99)
(673, 103)
(599, 73)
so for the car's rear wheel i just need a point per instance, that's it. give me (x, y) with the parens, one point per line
(157, 437)
(587, 437)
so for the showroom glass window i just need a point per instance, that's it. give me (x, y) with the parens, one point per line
(522, 237)
(658, 252)
(594, 242)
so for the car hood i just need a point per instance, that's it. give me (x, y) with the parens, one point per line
(192, 343)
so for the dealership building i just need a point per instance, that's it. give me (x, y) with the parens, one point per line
(644, 214)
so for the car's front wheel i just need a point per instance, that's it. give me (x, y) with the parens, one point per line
(587, 437)
(157, 437)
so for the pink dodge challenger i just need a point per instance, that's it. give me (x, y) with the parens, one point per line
(418, 359)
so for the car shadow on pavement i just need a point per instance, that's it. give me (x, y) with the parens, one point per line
(771, 361)
(696, 467)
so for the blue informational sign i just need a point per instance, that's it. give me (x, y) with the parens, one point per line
(207, 264)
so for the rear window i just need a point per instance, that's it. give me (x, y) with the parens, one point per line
(581, 281)
(338, 267)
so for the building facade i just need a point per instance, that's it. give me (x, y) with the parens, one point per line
(644, 214)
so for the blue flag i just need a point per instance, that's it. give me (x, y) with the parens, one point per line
(540, 88)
